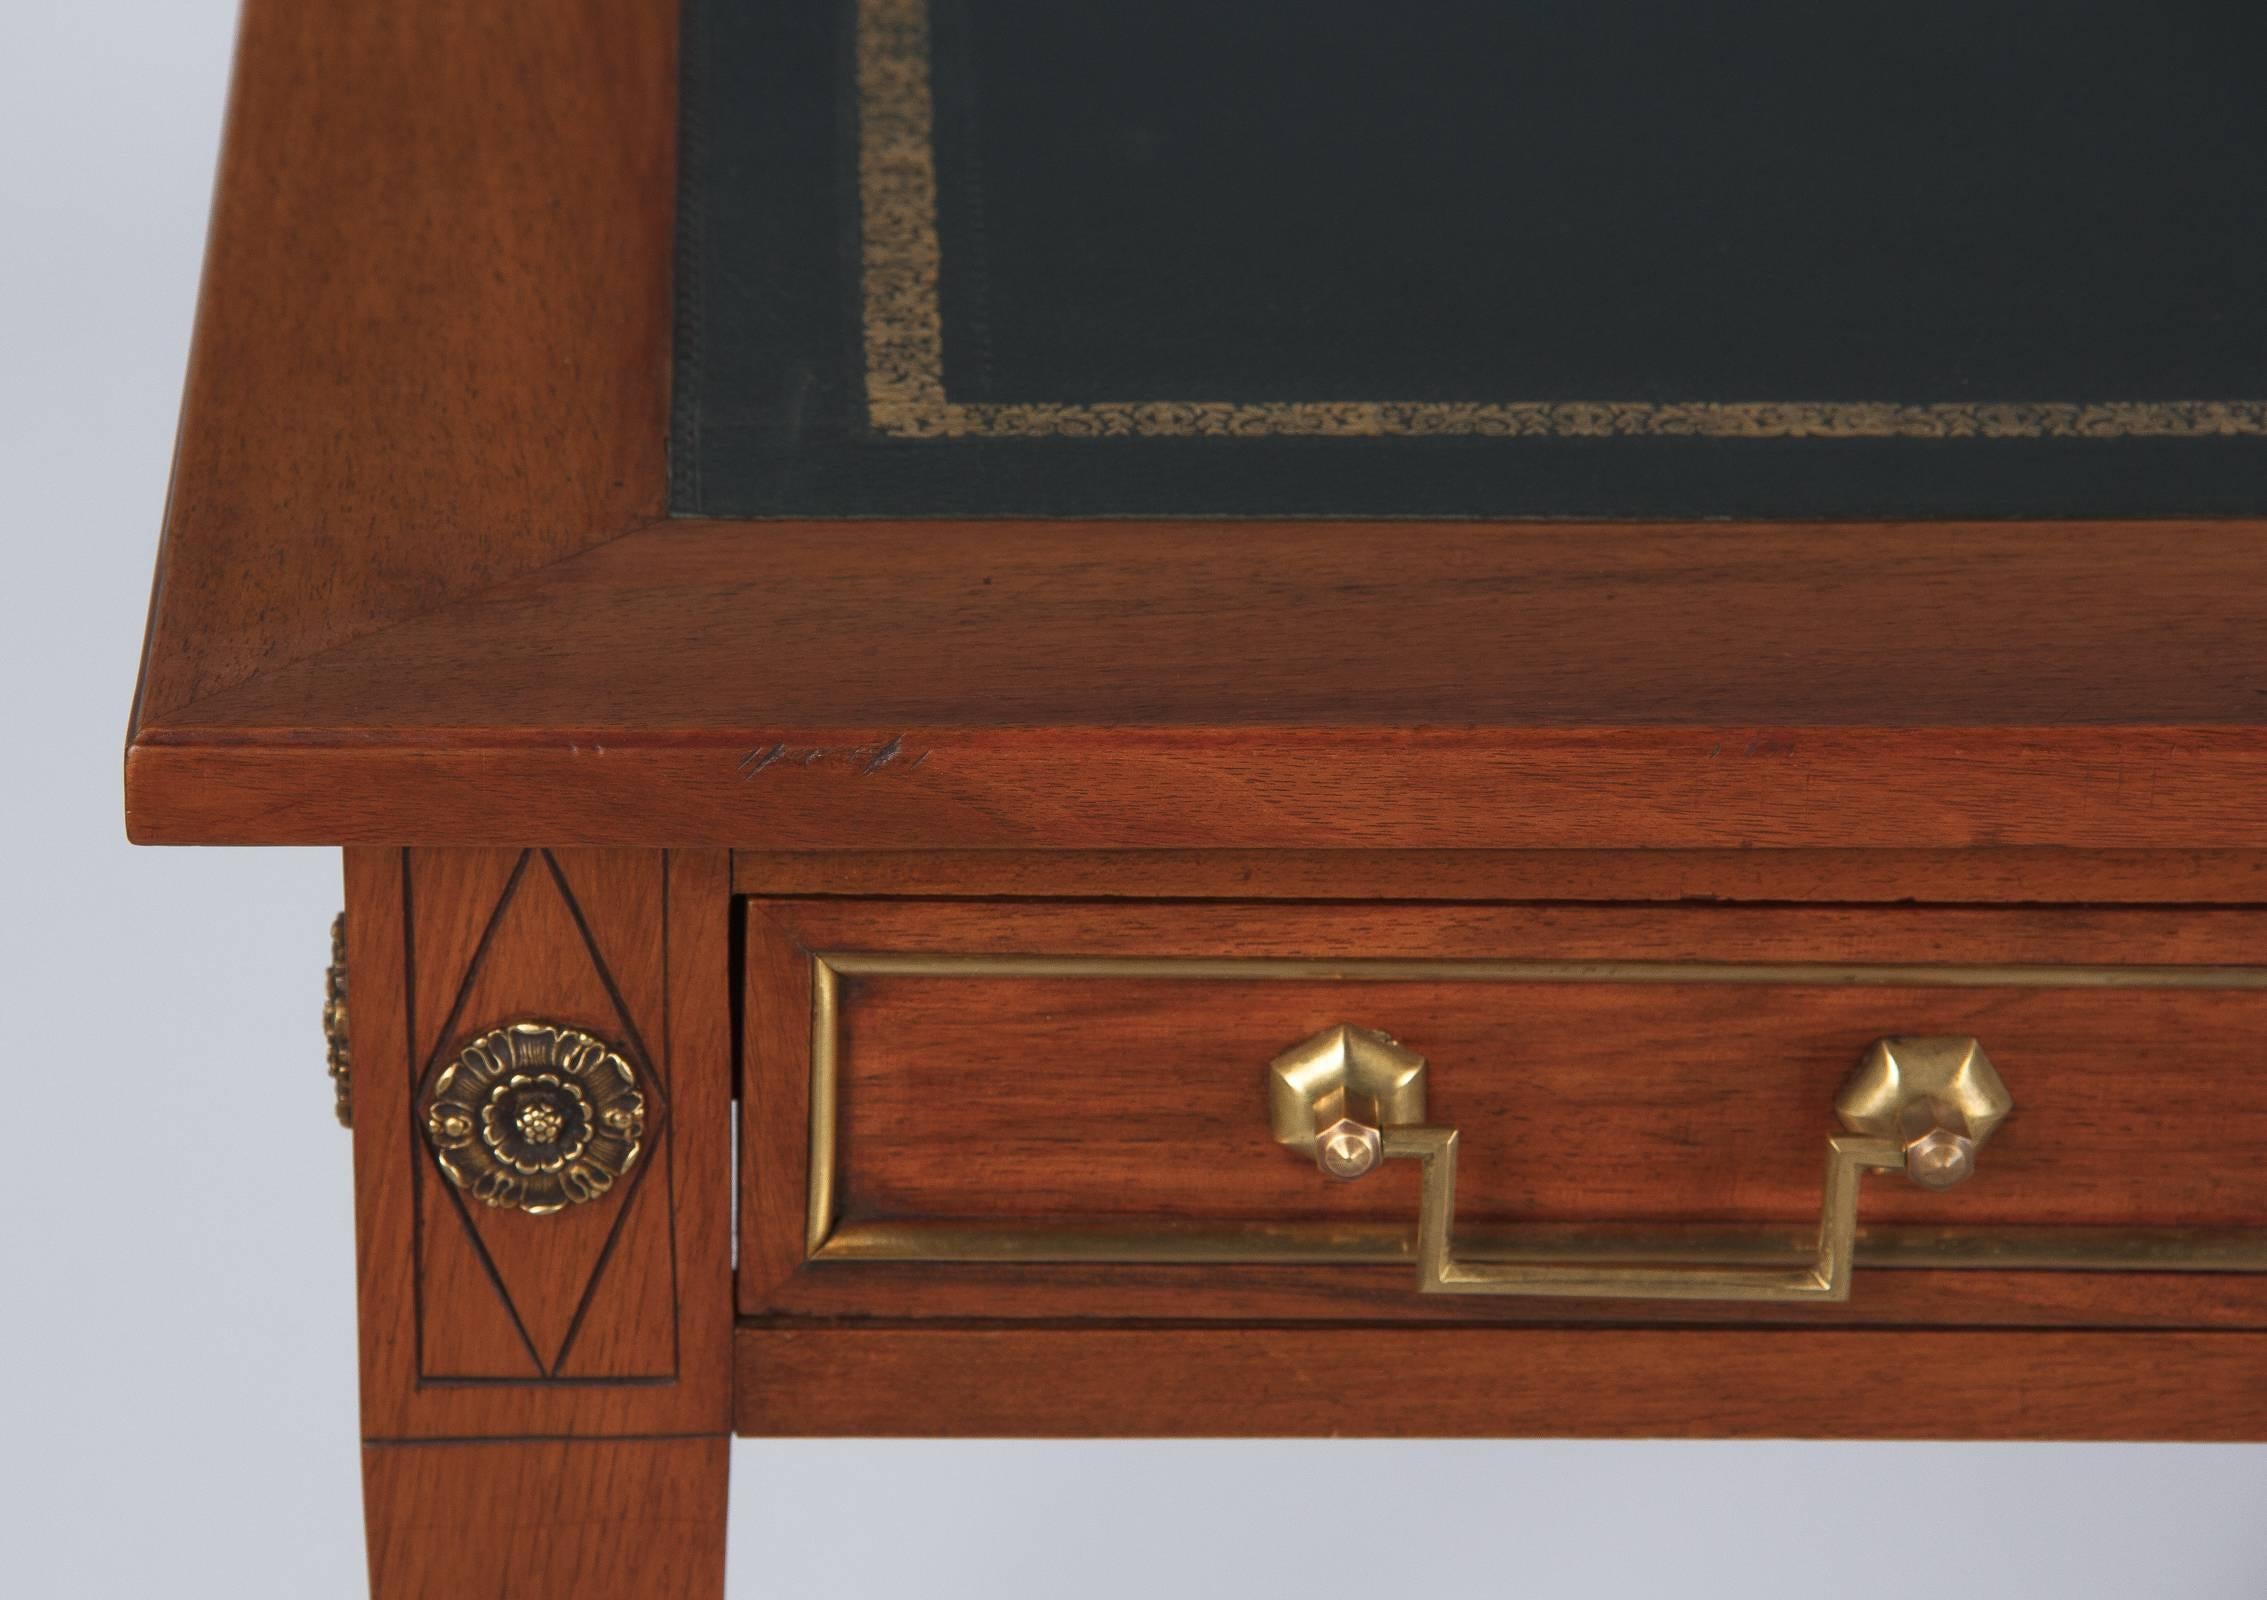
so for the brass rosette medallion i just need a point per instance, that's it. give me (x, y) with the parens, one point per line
(334, 1026)
(536, 1116)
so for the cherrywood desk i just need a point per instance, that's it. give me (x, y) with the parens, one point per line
(1036, 809)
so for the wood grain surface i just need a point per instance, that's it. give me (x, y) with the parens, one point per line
(550, 1519)
(1172, 686)
(431, 347)
(1335, 624)
(2231, 877)
(1113, 1099)
(608, 1318)
(1136, 1102)
(1501, 1382)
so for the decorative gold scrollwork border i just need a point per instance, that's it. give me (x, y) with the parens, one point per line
(905, 366)
(1987, 1248)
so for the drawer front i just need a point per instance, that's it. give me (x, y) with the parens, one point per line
(1050, 1110)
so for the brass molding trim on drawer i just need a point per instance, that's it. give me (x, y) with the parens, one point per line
(2140, 1249)
(1343, 1244)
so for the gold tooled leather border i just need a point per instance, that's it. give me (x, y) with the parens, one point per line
(904, 340)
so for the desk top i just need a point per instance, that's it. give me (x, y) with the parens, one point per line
(1565, 258)
(427, 576)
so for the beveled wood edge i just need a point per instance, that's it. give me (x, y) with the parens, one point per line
(1078, 788)
(1170, 1381)
(204, 720)
(288, 54)
(305, 708)
(303, 755)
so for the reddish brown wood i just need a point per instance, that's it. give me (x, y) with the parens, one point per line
(2231, 877)
(1620, 789)
(620, 1519)
(431, 345)
(1953, 935)
(913, 1294)
(1136, 1102)
(414, 589)
(843, 685)
(606, 1267)
(1683, 1383)
(1116, 1099)
(929, 624)
(775, 1106)
(610, 1318)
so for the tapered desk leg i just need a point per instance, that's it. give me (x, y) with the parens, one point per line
(541, 1077)
(588, 1519)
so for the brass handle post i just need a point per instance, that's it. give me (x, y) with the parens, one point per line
(1921, 1105)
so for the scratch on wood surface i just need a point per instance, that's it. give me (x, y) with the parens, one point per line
(868, 759)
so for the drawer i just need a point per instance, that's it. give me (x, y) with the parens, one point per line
(1062, 1110)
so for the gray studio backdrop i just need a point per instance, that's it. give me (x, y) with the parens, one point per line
(176, 1294)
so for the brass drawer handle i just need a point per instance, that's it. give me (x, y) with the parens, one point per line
(1353, 1097)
